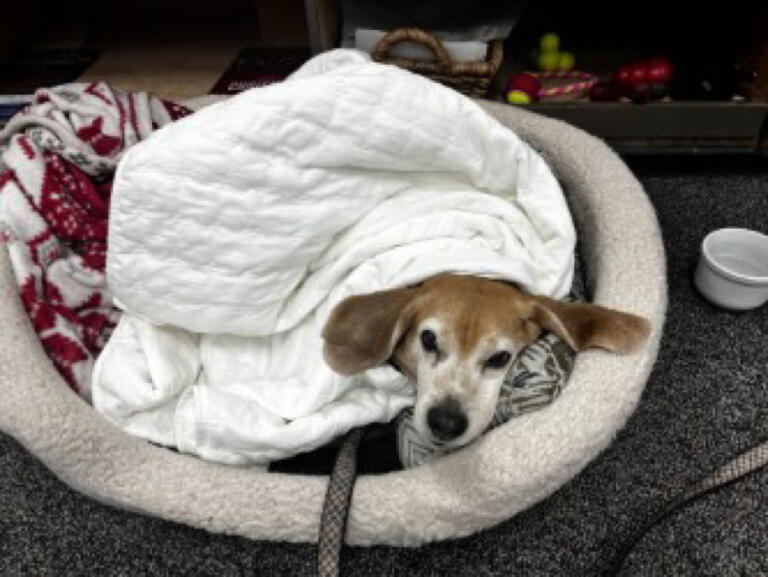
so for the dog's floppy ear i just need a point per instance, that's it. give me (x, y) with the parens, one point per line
(584, 325)
(362, 330)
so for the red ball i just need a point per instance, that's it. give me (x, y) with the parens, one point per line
(525, 83)
(622, 74)
(660, 70)
(638, 73)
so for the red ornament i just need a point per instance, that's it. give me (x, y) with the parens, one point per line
(660, 70)
(525, 83)
(622, 74)
(638, 73)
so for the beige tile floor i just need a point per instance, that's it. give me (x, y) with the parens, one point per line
(175, 65)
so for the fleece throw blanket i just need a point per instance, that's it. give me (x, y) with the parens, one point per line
(235, 231)
(56, 165)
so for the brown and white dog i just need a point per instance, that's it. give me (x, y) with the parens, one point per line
(455, 337)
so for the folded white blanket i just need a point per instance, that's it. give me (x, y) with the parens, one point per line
(235, 231)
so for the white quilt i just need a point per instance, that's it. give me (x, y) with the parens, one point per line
(235, 231)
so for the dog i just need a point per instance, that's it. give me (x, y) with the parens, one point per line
(455, 337)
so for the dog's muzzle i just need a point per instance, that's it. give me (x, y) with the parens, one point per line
(446, 420)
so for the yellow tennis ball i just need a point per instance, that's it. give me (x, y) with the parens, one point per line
(518, 97)
(566, 61)
(548, 60)
(550, 42)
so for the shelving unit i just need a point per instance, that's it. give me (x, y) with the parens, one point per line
(668, 127)
(605, 34)
(179, 51)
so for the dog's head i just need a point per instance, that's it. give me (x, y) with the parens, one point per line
(456, 337)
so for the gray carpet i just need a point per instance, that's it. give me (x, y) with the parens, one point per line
(706, 400)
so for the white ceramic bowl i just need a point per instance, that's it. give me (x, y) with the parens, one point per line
(733, 268)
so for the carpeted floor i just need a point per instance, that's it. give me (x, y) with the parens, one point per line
(706, 400)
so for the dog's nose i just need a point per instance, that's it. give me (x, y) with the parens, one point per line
(446, 420)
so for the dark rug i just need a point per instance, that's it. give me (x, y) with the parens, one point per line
(707, 399)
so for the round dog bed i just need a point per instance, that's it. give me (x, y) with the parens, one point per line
(506, 471)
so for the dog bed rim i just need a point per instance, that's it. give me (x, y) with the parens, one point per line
(455, 496)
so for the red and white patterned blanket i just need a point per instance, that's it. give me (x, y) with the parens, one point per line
(57, 159)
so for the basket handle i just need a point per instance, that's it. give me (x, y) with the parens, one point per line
(417, 35)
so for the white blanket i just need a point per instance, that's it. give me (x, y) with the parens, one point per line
(235, 231)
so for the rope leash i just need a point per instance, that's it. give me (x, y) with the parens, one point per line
(336, 506)
(742, 465)
(580, 82)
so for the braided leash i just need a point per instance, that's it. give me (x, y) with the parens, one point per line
(336, 506)
(342, 480)
(744, 464)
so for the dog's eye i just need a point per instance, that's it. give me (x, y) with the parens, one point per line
(429, 340)
(498, 360)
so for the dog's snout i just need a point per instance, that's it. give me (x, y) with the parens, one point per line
(446, 420)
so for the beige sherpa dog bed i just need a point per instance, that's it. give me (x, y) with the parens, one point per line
(506, 471)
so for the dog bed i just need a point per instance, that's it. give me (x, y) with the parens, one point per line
(506, 471)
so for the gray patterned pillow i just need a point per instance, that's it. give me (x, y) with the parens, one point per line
(534, 380)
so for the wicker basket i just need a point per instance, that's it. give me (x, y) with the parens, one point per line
(469, 78)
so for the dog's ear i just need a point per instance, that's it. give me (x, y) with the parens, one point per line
(584, 325)
(362, 330)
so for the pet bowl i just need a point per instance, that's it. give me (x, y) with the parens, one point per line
(733, 268)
